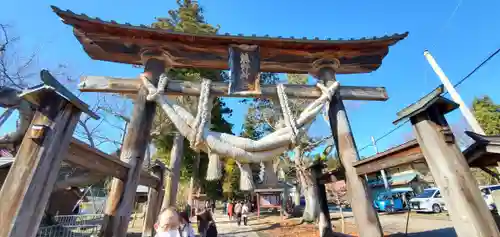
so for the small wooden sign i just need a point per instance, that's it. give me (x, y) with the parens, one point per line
(38, 133)
(244, 68)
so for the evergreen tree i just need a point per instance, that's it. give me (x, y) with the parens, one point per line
(188, 18)
(487, 114)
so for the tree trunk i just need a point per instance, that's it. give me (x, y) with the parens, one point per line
(308, 186)
(175, 167)
(194, 184)
(342, 221)
(325, 226)
(296, 195)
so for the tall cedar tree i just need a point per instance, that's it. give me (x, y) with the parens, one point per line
(188, 17)
(487, 114)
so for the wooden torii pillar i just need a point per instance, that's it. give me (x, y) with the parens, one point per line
(32, 177)
(467, 209)
(155, 197)
(366, 217)
(121, 196)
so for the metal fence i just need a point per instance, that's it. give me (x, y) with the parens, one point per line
(68, 231)
(77, 220)
(73, 226)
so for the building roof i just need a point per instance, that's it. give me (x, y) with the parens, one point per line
(6, 162)
(124, 43)
(396, 179)
(484, 152)
(407, 152)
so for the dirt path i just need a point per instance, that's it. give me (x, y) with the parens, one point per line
(228, 228)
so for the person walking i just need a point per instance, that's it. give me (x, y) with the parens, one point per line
(204, 219)
(224, 207)
(244, 212)
(230, 210)
(212, 206)
(237, 210)
(207, 205)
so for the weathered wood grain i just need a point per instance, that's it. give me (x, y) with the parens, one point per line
(31, 179)
(466, 206)
(122, 193)
(244, 65)
(385, 163)
(123, 43)
(434, 98)
(81, 154)
(367, 221)
(175, 87)
(155, 197)
(80, 180)
(172, 182)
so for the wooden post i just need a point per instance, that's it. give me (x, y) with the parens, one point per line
(121, 196)
(28, 185)
(467, 209)
(155, 197)
(281, 206)
(175, 166)
(258, 206)
(194, 184)
(366, 217)
(324, 216)
(382, 171)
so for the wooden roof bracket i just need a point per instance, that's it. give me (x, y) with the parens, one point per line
(34, 95)
(156, 53)
(322, 63)
(434, 98)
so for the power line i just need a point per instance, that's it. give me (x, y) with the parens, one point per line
(476, 68)
(385, 135)
(446, 23)
(455, 86)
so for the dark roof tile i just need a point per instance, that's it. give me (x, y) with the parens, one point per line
(69, 12)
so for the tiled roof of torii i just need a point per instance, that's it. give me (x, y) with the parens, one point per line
(111, 41)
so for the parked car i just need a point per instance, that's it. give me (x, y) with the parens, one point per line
(430, 200)
(393, 200)
(486, 192)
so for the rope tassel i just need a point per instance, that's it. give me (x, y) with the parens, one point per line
(246, 179)
(214, 169)
(287, 113)
(228, 145)
(202, 116)
(269, 177)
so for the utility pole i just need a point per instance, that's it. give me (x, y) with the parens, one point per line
(471, 120)
(382, 172)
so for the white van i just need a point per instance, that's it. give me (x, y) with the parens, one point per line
(430, 200)
(486, 192)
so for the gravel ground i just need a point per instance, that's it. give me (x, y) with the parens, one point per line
(419, 224)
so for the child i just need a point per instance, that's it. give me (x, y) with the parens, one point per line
(168, 223)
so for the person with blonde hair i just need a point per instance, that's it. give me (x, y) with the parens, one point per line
(168, 223)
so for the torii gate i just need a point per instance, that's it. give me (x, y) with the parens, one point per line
(160, 50)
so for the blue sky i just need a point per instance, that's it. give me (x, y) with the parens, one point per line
(458, 44)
